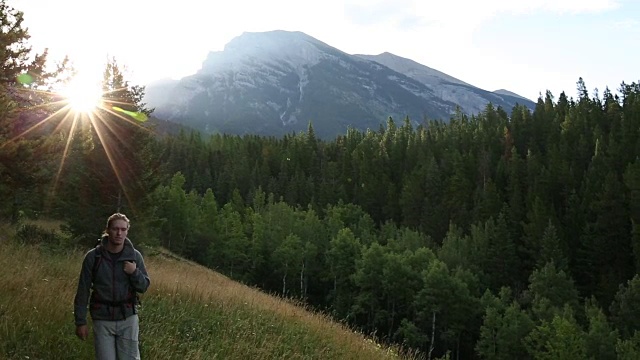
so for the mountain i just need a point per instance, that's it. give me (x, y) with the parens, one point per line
(422, 73)
(509, 93)
(276, 82)
(472, 100)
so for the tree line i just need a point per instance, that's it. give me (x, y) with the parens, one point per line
(491, 236)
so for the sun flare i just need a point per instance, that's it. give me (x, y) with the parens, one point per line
(83, 95)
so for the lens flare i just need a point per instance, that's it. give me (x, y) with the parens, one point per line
(24, 79)
(140, 116)
(83, 102)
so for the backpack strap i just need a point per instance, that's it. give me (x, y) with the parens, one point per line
(97, 259)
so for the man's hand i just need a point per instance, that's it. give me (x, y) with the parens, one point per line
(82, 331)
(129, 267)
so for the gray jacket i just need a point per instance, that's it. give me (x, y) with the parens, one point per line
(112, 293)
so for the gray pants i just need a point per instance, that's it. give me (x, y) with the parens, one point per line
(116, 339)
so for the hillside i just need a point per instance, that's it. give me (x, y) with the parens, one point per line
(189, 312)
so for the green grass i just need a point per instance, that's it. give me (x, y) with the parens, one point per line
(189, 312)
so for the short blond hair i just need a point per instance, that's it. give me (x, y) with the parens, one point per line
(117, 216)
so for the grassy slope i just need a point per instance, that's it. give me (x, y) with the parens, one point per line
(189, 312)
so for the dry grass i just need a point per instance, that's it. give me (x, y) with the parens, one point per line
(35, 304)
(46, 224)
(189, 312)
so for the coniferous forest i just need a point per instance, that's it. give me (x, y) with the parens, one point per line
(511, 234)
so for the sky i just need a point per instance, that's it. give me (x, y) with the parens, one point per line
(525, 46)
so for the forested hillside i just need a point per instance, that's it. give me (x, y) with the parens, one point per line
(498, 236)
(491, 237)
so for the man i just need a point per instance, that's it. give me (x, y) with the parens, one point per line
(112, 274)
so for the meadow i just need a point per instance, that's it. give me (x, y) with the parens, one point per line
(189, 312)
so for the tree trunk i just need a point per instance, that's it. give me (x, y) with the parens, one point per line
(302, 281)
(433, 334)
(392, 320)
(284, 284)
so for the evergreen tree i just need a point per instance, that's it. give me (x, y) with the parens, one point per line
(26, 156)
(551, 250)
(539, 217)
(632, 182)
(625, 308)
(504, 328)
(607, 255)
(550, 290)
(434, 221)
(601, 338)
(500, 259)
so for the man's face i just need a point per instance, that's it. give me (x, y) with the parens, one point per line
(118, 232)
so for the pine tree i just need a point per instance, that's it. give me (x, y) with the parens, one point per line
(15, 54)
(26, 162)
(551, 249)
(501, 258)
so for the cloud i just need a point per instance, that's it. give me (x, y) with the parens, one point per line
(376, 12)
(628, 25)
(560, 6)
(465, 13)
(449, 24)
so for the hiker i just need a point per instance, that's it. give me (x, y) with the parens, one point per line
(114, 272)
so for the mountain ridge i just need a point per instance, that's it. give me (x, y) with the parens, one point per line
(447, 86)
(276, 82)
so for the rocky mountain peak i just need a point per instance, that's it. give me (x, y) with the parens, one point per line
(294, 48)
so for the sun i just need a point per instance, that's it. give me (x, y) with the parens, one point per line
(83, 95)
